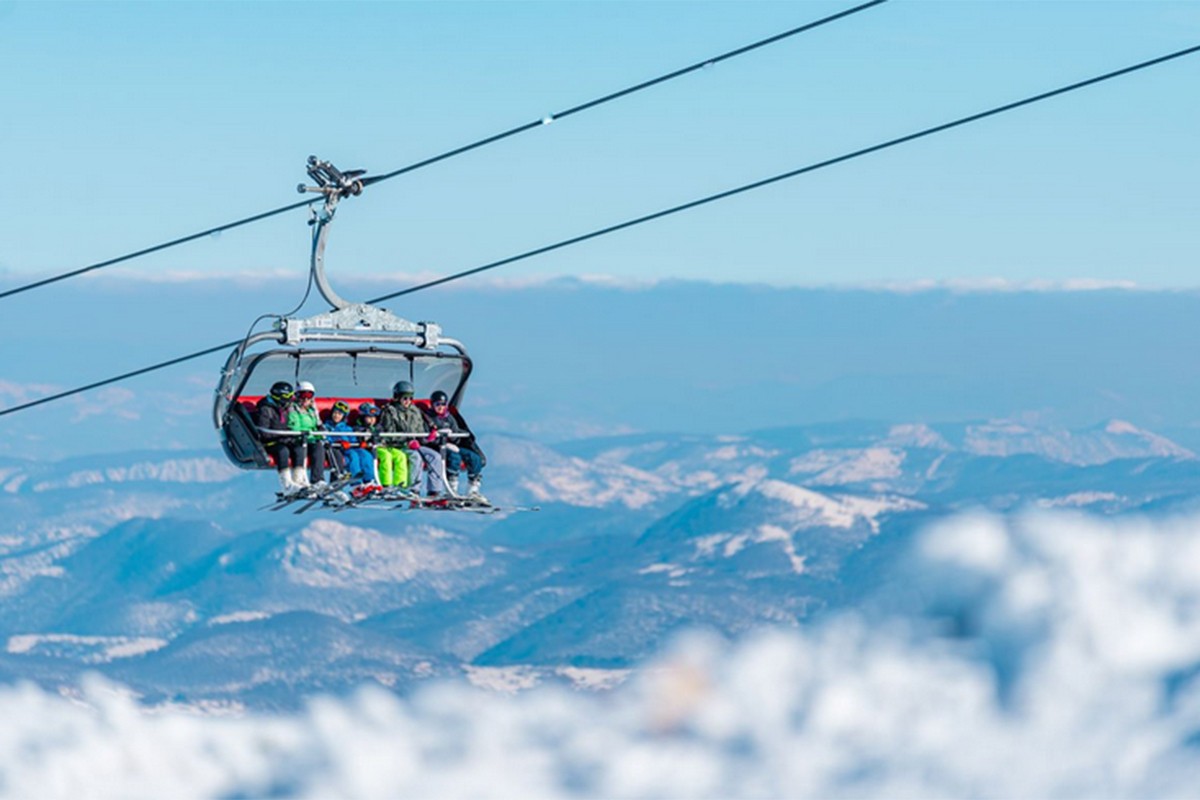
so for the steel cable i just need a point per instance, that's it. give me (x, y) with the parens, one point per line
(455, 152)
(666, 212)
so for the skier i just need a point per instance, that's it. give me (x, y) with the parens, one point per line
(401, 416)
(304, 418)
(456, 451)
(391, 455)
(337, 448)
(364, 453)
(271, 416)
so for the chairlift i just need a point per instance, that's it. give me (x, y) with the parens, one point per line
(354, 352)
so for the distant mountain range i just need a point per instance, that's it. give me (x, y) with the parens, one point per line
(567, 359)
(158, 569)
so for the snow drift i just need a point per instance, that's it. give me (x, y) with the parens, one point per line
(1045, 655)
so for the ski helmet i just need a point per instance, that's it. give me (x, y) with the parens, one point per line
(305, 386)
(438, 397)
(282, 390)
(403, 388)
(368, 410)
(341, 406)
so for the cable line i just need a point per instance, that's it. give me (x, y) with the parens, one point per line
(541, 121)
(791, 174)
(147, 251)
(667, 212)
(708, 62)
(118, 378)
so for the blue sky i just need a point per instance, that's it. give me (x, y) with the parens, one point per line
(134, 123)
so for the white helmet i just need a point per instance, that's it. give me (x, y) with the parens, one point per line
(305, 386)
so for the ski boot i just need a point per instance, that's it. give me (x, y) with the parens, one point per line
(287, 486)
(473, 493)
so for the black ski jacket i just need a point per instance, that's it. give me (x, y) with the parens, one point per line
(269, 415)
(452, 423)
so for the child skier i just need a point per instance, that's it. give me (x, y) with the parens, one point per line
(337, 448)
(362, 455)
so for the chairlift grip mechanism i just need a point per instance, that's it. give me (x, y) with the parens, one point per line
(334, 185)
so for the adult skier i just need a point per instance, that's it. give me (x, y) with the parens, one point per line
(458, 451)
(390, 456)
(402, 416)
(304, 418)
(271, 417)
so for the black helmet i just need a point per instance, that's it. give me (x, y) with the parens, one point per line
(438, 397)
(341, 406)
(282, 390)
(403, 388)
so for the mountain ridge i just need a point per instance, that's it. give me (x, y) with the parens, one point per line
(187, 592)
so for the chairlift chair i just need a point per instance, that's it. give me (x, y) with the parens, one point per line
(354, 352)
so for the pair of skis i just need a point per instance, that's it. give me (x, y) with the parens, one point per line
(408, 500)
(336, 496)
(309, 496)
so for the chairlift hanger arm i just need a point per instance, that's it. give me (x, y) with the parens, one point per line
(334, 185)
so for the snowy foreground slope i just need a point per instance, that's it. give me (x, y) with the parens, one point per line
(1043, 654)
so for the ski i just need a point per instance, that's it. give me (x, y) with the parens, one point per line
(460, 503)
(283, 500)
(324, 494)
(361, 499)
(336, 498)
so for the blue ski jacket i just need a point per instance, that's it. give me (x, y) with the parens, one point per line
(340, 427)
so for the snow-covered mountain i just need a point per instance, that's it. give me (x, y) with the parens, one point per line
(159, 569)
(768, 527)
(1113, 440)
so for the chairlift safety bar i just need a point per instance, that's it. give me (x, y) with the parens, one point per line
(360, 434)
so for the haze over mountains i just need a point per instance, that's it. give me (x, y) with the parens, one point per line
(571, 358)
